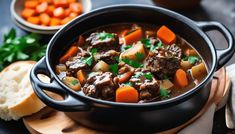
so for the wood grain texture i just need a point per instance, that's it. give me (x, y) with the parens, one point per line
(50, 121)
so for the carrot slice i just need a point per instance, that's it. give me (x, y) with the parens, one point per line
(181, 78)
(81, 77)
(71, 52)
(31, 4)
(61, 3)
(42, 7)
(50, 10)
(34, 20)
(55, 22)
(26, 13)
(66, 20)
(76, 7)
(59, 12)
(72, 1)
(123, 33)
(127, 94)
(73, 15)
(166, 35)
(45, 19)
(133, 37)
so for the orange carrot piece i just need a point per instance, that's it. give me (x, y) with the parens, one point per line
(34, 20)
(42, 7)
(67, 11)
(123, 33)
(45, 19)
(59, 12)
(81, 77)
(181, 78)
(125, 77)
(76, 7)
(191, 52)
(166, 35)
(31, 4)
(71, 52)
(127, 94)
(50, 10)
(81, 40)
(66, 20)
(61, 3)
(133, 37)
(73, 15)
(72, 1)
(26, 13)
(55, 22)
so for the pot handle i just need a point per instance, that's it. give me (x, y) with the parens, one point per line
(223, 55)
(69, 104)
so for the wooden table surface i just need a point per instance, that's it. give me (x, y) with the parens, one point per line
(210, 10)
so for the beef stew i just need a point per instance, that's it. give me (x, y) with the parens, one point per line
(132, 63)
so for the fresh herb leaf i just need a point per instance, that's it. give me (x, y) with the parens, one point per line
(127, 47)
(114, 68)
(148, 76)
(133, 63)
(138, 74)
(193, 59)
(146, 42)
(128, 83)
(139, 56)
(159, 44)
(93, 51)
(164, 93)
(15, 48)
(116, 58)
(104, 35)
(88, 60)
(152, 48)
(74, 82)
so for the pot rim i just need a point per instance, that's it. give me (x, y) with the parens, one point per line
(188, 22)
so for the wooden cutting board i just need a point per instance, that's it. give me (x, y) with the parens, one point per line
(50, 121)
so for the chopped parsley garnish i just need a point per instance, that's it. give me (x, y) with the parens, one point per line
(138, 74)
(116, 58)
(139, 56)
(148, 76)
(164, 93)
(159, 44)
(74, 82)
(89, 60)
(128, 83)
(104, 35)
(133, 63)
(146, 42)
(127, 47)
(114, 68)
(192, 59)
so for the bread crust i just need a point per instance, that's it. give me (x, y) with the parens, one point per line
(26, 105)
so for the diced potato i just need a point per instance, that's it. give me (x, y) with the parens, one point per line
(133, 51)
(101, 66)
(72, 82)
(198, 71)
(166, 84)
(60, 68)
(185, 65)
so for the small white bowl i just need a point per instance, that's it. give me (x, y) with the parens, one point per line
(17, 7)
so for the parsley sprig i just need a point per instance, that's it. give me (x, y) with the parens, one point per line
(89, 60)
(27, 47)
(103, 35)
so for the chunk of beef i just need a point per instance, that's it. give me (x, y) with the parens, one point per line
(148, 88)
(103, 41)
(164, 61)
(109, 57)
(100, 85)
(75, 63)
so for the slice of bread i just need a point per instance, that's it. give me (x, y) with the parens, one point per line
(17, 98)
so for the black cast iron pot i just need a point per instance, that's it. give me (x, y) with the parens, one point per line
(148, 117)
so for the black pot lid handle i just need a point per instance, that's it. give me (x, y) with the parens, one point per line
(69, 104)
(223, 55)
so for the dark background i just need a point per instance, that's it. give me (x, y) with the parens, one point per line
(210, 10)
